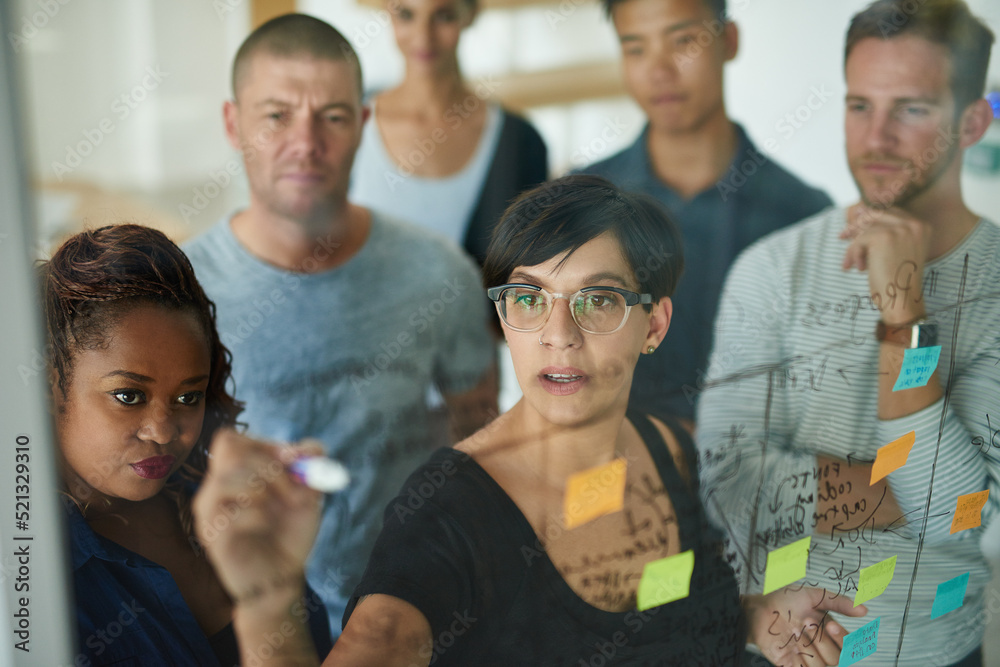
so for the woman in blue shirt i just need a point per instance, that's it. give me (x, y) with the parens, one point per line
(139, 388)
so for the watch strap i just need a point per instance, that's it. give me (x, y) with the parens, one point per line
(915, 334)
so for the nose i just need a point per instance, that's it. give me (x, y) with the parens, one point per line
(159, 424)
(424, 34)
(663, 61)
(560, 330)
(305, 135)
(880, 132)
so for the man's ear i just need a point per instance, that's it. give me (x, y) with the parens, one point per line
(731, 40)
(230, 116)
(974, 122)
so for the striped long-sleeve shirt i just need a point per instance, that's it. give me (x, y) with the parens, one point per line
(794, 375)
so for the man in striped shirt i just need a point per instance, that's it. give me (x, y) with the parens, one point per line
(855, 381)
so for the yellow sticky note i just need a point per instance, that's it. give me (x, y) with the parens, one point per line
(892, 456)
(665, 580)
(786, 565)
(874, 580)
(594, 492)
(969, 511)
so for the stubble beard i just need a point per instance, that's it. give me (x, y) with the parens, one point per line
(916, 180)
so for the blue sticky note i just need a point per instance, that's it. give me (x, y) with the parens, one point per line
(919, 364)
(950, 595)
(859, 644)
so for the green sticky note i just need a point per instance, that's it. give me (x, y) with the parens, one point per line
(919, 364)
(950, 595)
(874, 580)
(665, 580)
(786, 565)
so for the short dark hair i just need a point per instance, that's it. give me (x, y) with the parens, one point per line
(561, 215)
(945, 22)
(294, 35)
(717, 7)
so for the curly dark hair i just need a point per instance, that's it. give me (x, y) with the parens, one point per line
(98, 276)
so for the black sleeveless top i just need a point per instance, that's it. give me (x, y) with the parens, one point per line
(455, 546)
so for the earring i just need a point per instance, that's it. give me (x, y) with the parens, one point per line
(650, 350)
(540, 340)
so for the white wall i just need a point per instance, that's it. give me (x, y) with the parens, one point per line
(126, 95)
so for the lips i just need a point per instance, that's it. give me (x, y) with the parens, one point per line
(881, 167)
(304, 176)
(562, 381)
(881, 164)
(668, 98)
(155, 467)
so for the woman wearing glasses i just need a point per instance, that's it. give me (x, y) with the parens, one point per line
(526, 544)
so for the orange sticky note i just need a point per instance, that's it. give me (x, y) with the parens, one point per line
(892, 456)
(594, 492)
(969, 511)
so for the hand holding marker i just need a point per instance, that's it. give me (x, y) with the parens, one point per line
(320, 473)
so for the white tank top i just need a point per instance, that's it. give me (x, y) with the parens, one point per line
(442, 204)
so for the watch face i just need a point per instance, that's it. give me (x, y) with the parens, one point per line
(928, 334)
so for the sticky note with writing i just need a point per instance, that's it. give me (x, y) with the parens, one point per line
(859, 644)
(919, 364)
(969, 511)
(950, 595)
(874, 580)
(665, 580)
(892, 456)
(594, 492)
(786, 565)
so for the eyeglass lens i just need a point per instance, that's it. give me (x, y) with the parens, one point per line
(597, 311)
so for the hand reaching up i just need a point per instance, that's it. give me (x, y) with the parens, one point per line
(255, 522)
(793, 628)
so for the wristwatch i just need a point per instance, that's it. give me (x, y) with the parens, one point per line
(920, 333)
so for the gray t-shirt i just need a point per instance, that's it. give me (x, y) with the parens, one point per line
(348, 356)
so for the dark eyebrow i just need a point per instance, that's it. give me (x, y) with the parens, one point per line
(128, 375)
(898, 100)
(603, 278)
(683, 25)
(145, 379)
(274, 102)
(522, 277)
(590, 281)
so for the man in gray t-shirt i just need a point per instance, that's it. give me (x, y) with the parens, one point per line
(342, 323)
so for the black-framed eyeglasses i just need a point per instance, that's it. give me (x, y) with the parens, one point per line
(596, 310)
